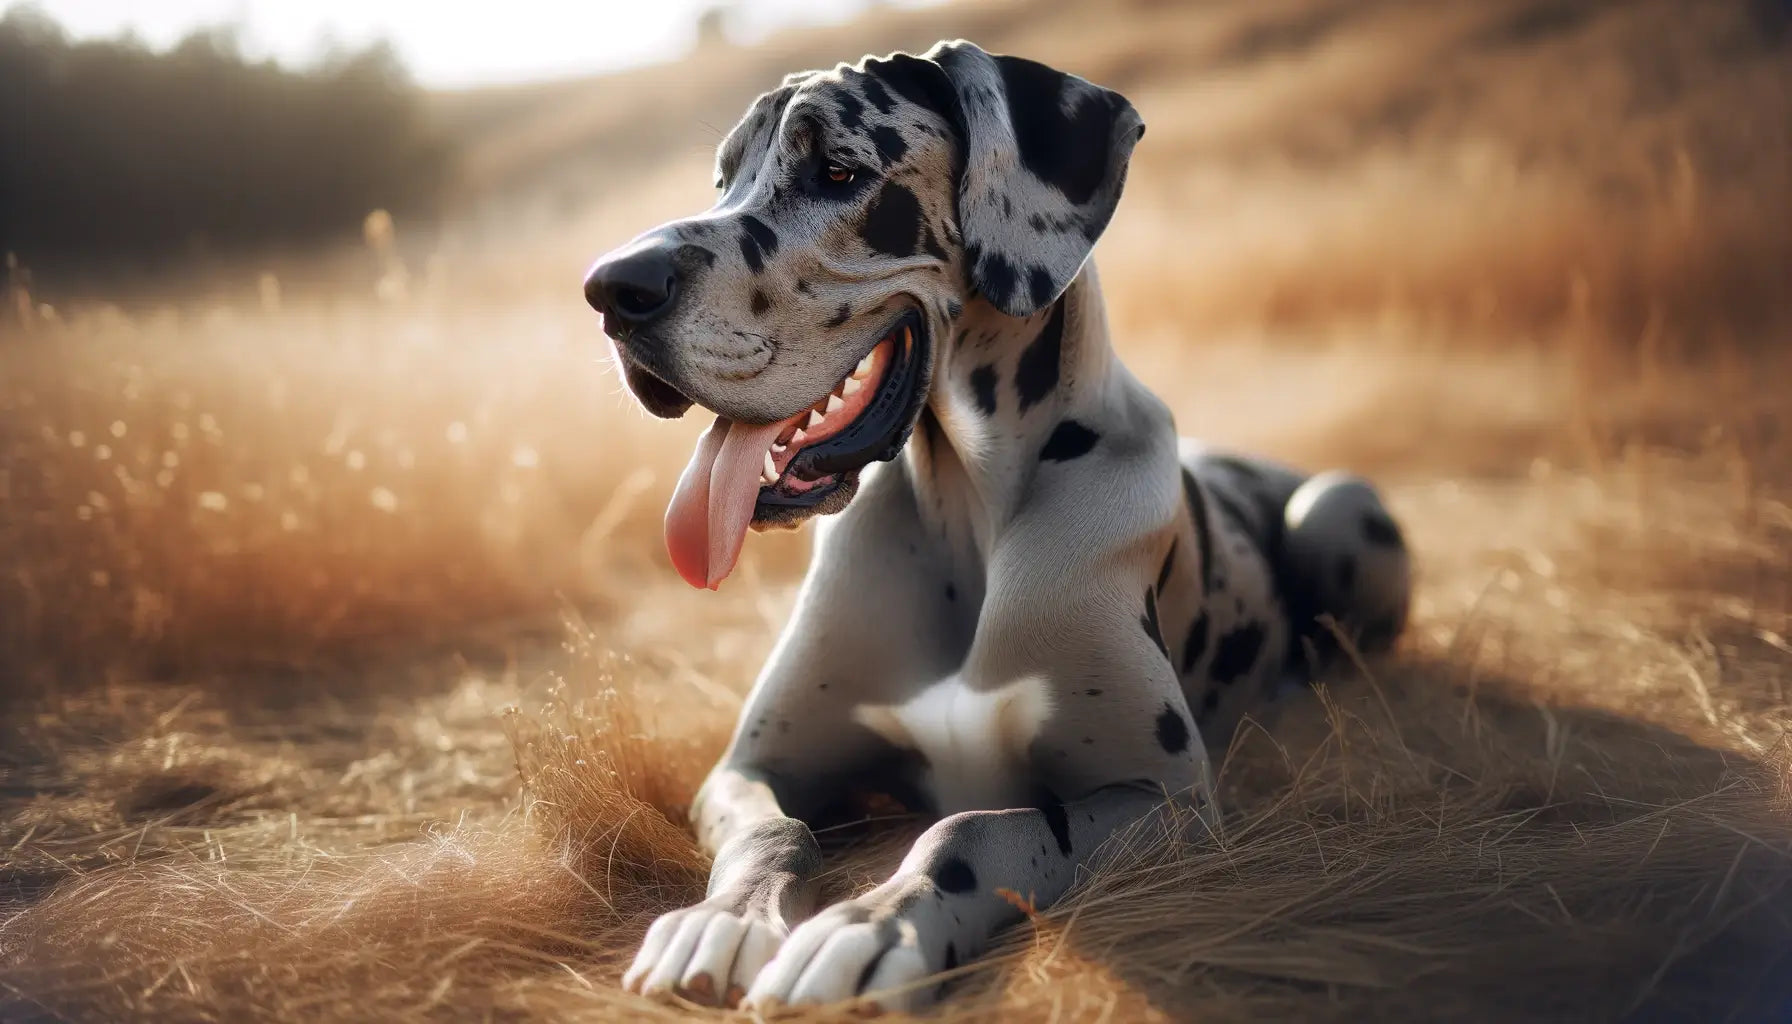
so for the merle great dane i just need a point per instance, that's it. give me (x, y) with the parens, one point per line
(1035, 608)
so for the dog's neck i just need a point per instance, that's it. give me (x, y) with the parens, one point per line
(972, 466)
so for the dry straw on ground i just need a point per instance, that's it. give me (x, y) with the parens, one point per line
(346, 679)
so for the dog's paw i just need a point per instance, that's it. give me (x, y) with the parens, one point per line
(707, 954)
(863, 949)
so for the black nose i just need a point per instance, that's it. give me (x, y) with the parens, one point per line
(634, 287)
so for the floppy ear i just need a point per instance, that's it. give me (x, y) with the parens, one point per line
(1045, 156)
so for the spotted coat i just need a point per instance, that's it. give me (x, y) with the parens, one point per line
(1034, 620)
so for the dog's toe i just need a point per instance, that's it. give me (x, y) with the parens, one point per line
(706, 954)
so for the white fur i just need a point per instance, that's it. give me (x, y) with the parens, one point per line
(975, 742)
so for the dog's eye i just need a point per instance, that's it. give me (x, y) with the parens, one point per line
(837, 174)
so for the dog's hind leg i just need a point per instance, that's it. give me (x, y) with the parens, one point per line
(1336, 551)
(1343, 549)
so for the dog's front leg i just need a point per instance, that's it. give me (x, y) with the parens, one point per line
(1074, 687)
(961, 882)
(871, 618)
(762, 882)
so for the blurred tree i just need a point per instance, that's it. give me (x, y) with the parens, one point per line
(111, 152)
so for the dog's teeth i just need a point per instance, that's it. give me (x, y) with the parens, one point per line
(864, 366)
(851, 387)
(777, 449)
(834, 403)
(799, 437)
(771, 468)
(814, 419)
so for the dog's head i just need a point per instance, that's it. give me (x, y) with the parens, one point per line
(860, 210)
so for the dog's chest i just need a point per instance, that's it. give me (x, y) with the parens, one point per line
(974, 743)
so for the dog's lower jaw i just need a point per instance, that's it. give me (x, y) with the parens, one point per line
(918, 367)
(767, 518)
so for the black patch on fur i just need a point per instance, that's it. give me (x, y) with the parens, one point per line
(841, 315)
(1210, 703)
(1093, 692)
(951, 960)
(1172, 731)
(1057, 821)
(983, 387)
(760, 303)
(1163, 571)
(803, 286)
(1379, 530)
(921, 82)
(749, 251)
(1070, 440)
(763, 236)
(951, 592)
(890, 144)
(851, 110)
(874, 91)
(1036, 372)
(1149, 622)
(1039, 280)
(1347, 572)
(1236, 653)
(954, 876)
(1197, 510)
(894, 222)
(1195, 644)
(996, 277)
(1069, 151)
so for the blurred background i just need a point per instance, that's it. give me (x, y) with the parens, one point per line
(313, 459)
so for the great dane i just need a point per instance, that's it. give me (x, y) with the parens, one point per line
(1035, 607)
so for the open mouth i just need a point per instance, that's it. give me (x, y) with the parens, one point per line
(864, 419)
(780, 473)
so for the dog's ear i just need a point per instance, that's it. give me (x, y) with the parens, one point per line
(1045, 157)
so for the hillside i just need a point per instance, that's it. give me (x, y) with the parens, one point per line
(1305, 159)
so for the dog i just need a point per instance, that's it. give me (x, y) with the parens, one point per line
(1035, 608)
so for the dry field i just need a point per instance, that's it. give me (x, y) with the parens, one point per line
(345, 677)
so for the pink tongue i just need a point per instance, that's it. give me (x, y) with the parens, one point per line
(706, 524)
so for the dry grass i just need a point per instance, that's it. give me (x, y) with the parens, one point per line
(297, 589)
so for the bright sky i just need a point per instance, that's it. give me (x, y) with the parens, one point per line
(446, 43)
